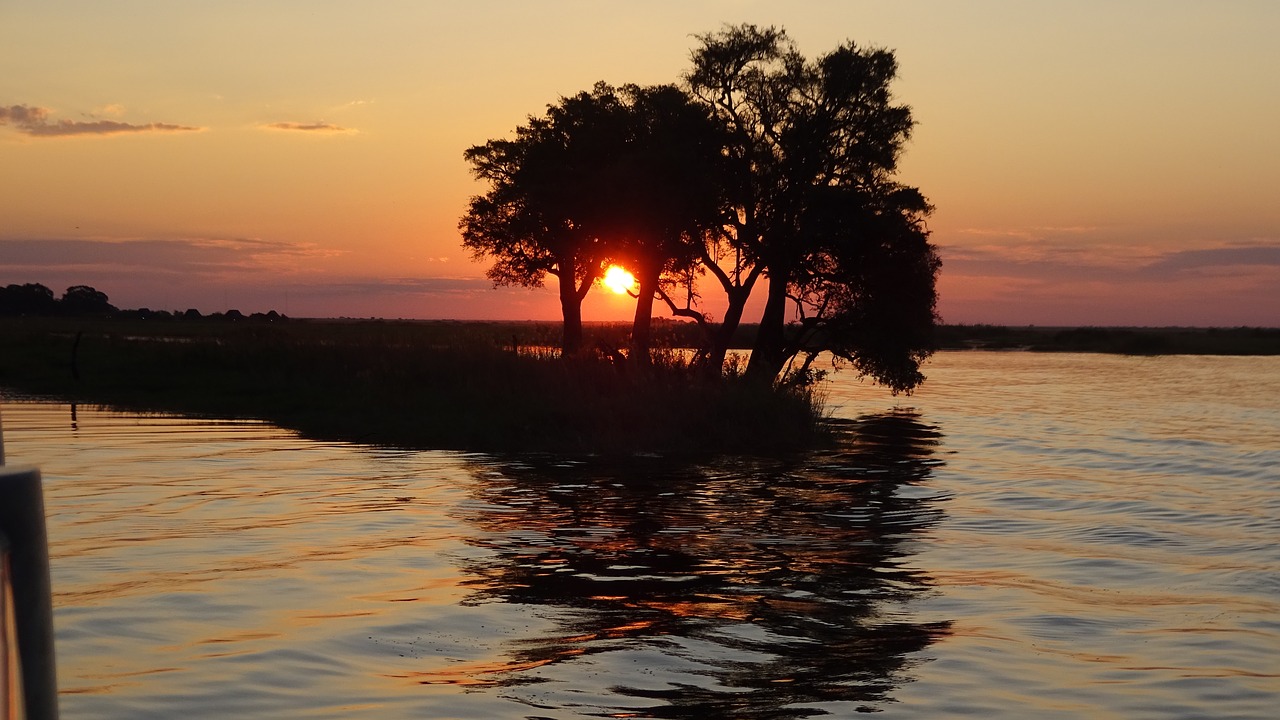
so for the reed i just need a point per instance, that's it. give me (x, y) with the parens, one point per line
(472, 386)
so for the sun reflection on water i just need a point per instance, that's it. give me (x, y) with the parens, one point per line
(1092, 537)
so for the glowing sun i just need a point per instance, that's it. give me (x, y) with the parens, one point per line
(618, 280)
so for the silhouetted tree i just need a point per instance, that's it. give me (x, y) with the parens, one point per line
(82, 300)
(664, 195)
(815, 146)
(785, 172)
(866, 291)
(543, 212)
(27, 299)
(621, 175)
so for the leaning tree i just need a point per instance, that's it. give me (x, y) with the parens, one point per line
(816, 208)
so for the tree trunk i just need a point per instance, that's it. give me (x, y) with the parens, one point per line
(572, 341)
(641, 335)
(728, 326)
(769, 354)
(571, 309)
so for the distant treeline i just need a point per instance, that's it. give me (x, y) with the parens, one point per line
(82, 301)
(36, 300)
(1117, 340)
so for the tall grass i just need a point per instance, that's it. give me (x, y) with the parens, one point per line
(464, 386)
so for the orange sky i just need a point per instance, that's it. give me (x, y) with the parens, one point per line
(1091, 162)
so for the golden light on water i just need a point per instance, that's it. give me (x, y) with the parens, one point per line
(618, 279)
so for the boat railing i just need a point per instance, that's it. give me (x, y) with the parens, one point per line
(28, 684)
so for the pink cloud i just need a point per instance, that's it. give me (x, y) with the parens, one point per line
(315, 127)
(1210, 286)
(23, 116)
(34, 121)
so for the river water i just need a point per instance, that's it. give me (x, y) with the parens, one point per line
(1030, 535)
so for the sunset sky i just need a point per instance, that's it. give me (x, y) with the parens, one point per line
(1092, 162)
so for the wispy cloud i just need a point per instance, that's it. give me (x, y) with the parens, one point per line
(1034, 232)
(421, 297)
(23, 115)
(1101, 261)
(249, 274)
(1111, 283)
(35, 121)
(313, 127)
(420, 286)
(1213, 259)
(190, 257)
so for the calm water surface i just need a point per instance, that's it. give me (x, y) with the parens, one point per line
(1052, 536)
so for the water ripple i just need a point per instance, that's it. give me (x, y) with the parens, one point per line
(1051, 536)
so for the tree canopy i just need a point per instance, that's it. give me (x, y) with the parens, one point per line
(610, 175)
(764, 165)
(817, 209)
(27, 299)
(33, 299)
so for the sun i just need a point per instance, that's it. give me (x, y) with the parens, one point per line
(618, 279)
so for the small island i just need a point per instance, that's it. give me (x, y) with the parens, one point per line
(495, 386)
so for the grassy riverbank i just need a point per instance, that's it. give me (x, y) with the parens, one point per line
(477, 386)
(472, 385)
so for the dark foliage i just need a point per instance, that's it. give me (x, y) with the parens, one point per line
(818, 211)
(436, 385)
(35, 300)
(610, 175)
(770, 165)
(29, 299)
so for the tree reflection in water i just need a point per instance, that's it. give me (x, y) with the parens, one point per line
(745, 588)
